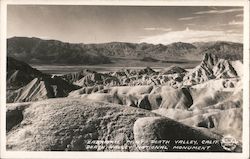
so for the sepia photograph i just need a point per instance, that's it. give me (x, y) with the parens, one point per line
(125, 78)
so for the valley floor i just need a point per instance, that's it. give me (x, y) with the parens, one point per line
(117, 65)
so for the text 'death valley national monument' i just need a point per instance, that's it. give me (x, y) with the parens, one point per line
(124, 78)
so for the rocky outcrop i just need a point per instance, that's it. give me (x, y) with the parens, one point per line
(124, 77)
(210, 68)
(222, 122)
(150, 129)
(172, 70)
(40, 89)
(83, 125)
(95, 79)
(73, 77)
(224, 69)
(176, 98)
(25, 83)
(195, 97)
(33, 91)
(19, 73)
(198, 106)
(71, 125)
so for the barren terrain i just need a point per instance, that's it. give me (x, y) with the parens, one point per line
(124, 109)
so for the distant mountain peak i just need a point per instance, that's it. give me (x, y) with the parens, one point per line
(183, 45)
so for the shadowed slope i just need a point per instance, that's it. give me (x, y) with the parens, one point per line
(25, 83)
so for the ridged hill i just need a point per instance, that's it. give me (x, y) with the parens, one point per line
(211, 67)
(73, 77)
(172, 70)
(40, 89)
(19, 73)
(25, 83)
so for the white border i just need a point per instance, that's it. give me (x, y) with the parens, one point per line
(120, 155)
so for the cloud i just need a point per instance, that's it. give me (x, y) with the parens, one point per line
(232, 23)
(158, 29)
(190, 36)
(214, 11)
(232, 31)
(189, 18)
(239, 15)
(236, 22)
(192, 24)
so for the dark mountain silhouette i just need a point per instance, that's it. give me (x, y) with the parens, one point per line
(149, 59)
(38, 51)
(25, 83)
(19, 73)
(222, 49)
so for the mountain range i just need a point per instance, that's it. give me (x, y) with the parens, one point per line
(39, 51)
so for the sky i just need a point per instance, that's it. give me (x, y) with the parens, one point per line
(136, 24)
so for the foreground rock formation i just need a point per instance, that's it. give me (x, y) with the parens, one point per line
(73, 125)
